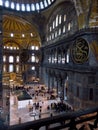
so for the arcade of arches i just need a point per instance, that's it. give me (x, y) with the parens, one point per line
(56, 46)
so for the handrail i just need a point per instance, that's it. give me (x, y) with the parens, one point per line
(74, 118)
(70, 67)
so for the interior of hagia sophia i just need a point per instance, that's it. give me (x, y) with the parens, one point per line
(25, 38)
(49, 58)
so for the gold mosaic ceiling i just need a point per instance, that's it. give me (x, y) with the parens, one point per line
(23, 33)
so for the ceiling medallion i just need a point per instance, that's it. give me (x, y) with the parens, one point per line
(80, 51)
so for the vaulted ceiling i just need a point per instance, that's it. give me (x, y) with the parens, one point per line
(19, 30)
(23, 32)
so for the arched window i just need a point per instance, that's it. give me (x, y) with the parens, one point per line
(32, 47)
(17, 58)
(11, 68)
(47, 39)
(32, 7)
(12, 35)
(12, 5)
(22, 7)
(37, 6)
(37, 59)
(56, 20)
(17, 6)
(7, 3)
(4, 68)
(45, 3)
(1, 2)
(49, 2)
(17, 68)
(33, 68)
(7, 47)
(53, 24)
(32, 58)
(64, 17)
(60, 19)
(50, 28)
(17, 48)
(4, 58)
(69, 26)
(4, 47)
(41, 5)
(11, 59)
(14, 48)
(11, 48)
(64, 29)
(56, 34)
(67, 57)
(52, 35)
(36, 47)
(60, 31)
(27, 7)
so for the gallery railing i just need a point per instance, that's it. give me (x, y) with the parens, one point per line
(75, 120)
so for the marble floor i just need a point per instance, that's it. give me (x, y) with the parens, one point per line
(23, 111)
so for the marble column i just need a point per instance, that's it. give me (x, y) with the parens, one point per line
(48, 81)
(57, 85)
(62, 88)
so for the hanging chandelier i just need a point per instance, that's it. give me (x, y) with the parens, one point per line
(27, 5)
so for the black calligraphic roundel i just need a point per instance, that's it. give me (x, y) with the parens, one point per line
(24, 56)
(80, 51)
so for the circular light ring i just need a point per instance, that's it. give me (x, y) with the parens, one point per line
(26, 6)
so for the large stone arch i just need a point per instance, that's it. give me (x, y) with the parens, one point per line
(87, 13)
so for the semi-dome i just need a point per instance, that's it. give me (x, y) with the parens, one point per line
(18, 30)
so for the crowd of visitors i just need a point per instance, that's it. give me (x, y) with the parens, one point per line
(40, 95)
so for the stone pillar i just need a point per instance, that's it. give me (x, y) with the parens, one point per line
(52, 82)
(57, 85)
(51, 56)
(62, 88)
(62, 56)
(56, 56)
(48, 81)
(46, 78)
